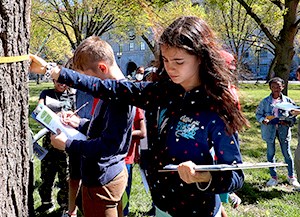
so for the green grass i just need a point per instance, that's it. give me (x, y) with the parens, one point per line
(257, 199)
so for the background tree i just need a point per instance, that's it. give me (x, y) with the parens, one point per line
(281, 39)
(153, 17)
(50, 45)
(47, 42)
(77, 20)
(14, 146)
(235, 28)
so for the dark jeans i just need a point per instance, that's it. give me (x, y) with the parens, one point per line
(128, 188)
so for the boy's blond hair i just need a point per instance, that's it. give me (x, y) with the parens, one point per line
(91, 51)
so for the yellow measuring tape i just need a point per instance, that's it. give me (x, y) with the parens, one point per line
(14, 59)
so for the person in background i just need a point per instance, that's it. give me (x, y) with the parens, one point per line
(61, 98)
(151, 75)
(229, 60)
(187, 113)
(281, 130)
(138, 133)
(139, 74)
(231, 64)
(143, 158)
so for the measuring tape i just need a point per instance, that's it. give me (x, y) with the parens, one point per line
(14, 59)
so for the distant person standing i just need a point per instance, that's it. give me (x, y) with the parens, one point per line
(282, 130)
(230, 61)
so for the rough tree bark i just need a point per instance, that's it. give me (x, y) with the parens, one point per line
(14, 145)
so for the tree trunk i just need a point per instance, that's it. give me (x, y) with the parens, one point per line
(284, 49)
(284, 56)
(14, 145)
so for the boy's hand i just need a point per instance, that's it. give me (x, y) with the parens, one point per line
(37, 65)
(188, 174)
(295, 112)
(58, 141)
(69, 118)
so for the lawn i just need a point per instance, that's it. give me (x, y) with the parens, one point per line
(257, 199)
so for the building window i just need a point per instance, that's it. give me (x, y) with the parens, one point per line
(143, 46)
(119, 53)
(263, 53)
(264, 69)
(131, 46)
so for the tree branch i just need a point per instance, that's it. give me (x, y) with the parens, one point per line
(145, 38)
(259, 22)
(278, 4)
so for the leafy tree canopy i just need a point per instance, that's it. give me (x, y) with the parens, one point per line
(77, 20)
(47, 41)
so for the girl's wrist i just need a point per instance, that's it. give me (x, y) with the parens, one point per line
(52, 71)
(55, 72)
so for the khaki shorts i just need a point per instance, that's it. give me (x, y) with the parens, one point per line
(103, 200)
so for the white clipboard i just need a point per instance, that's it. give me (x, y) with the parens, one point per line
(51, 121)
(226, 167)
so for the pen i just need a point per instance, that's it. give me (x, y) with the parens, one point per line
(77, 110)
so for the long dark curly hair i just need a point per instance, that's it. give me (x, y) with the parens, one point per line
(197, 38)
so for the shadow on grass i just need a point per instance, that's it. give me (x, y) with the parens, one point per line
(140, 214)
(258, 152)
(250, 193)
(56, 213)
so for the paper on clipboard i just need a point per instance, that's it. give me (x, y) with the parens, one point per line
(286, 106)
(53, 104)
(52, 122)
(226, 167)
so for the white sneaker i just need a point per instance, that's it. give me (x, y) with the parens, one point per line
(272, 182)
(293, 181)
(235, 200)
